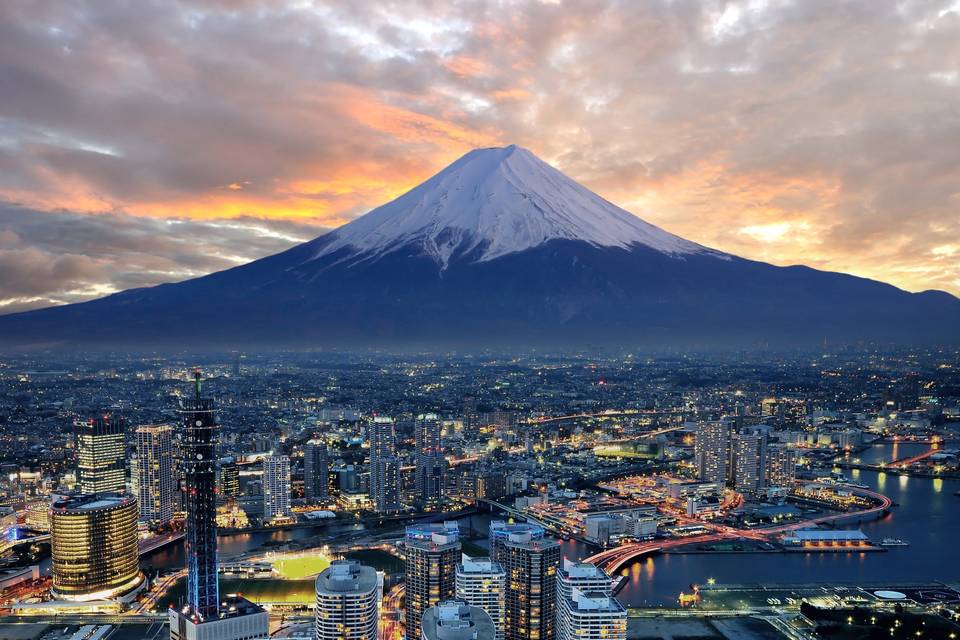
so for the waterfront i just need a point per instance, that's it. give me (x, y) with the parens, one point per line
(927, 516)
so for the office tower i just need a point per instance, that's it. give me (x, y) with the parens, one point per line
(228, 479)
(432, 552)
(456, 620)
(430, 461)
(384, 466)
(781, 465)
(316, 470)
(584, 610)
(276, 487)
(94, 548)
(205, 615)
(199, 450)
(101, 454)
(153, 479)
(749, 462)
(482, 583)
(347, 602)
(712, 451)
(530, 562)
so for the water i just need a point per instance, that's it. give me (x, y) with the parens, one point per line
(928, 517)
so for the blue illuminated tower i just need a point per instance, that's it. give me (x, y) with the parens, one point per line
(200, 477)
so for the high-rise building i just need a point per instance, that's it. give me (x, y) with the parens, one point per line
(430, 463)
(584, 610)
(153, 479)
(481, 582)
(205, 616)
(456, 620)
(432, 552)
(94, 548)
(101, 454)
(347, 602)
(712, 451)
(530, 562)
(199, 450)
(316, 470)
(384, 465)
(228, 479)
(749, 461)
(276, 487)
(781, 465)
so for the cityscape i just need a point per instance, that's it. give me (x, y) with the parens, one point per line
(488, 497)
(479, 320)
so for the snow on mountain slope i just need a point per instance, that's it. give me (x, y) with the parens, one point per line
(495, 202)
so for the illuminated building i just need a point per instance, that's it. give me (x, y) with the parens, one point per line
(205, 616)
(530, 561)
(749, 462)
(432, 552)
(228, 479)
(94, 548)
(712, 451)
(781, 466)
(347, 602)
(384, 465)
(456, 620)
(430, 462)
(152, 475)
(38, 516)
(481, 583)
(316, 471)
(584, 607)
(276, 487)
(101, 454)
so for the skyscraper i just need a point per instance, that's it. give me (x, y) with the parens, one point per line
(430, 461)
(101, 454)
(432, 552)
(199, 450)
(347, 602)
(316, 470)
(94, 548)
(276, 487)
(586, 608)
(456, 620)
(384, 465)
(749, 461)
(530, 561)
(712, 451)
(481, 582)
(153, 480)
(228, 479)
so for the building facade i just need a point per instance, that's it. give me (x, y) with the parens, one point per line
(456, 620)
(432, 552)
(153, 475)
(276, 487)
(584, 610)
(481, 582)
(101, 454)
(749, 462)
(384, 465)
(712, 451)
(430, 463)
(781, 465)
(530, 561)
(347, 602)
(316, 470)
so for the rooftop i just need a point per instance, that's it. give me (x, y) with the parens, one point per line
(346, 576)
(457, 620)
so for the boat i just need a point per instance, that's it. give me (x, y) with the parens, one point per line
(894, 542)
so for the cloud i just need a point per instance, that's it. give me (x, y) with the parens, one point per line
(815, 132)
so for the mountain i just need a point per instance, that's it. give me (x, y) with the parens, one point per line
(499, 250)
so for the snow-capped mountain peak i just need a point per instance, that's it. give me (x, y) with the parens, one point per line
(493, 202)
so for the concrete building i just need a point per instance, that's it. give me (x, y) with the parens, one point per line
(238, 619)
(316, 470)
(530, 561)
(348, 596)
(276, 487)
(432, 552)
(712, 451)
(101, 454)
(152, 474)
(582, 578)
(481, 582)
(749, 462)
(430, 463)
(384, 465)
(781, 465)
(592, 616)
(456, 620)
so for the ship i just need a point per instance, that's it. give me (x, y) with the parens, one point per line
(894, 542)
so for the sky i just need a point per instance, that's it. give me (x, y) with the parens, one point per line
(144, 142)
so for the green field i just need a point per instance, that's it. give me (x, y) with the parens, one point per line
(259, 590)
(301, 567)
